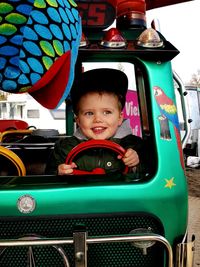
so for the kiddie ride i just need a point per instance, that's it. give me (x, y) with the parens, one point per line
(105, 220)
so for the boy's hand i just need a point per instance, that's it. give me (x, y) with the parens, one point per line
(130, 158)
(64, 169)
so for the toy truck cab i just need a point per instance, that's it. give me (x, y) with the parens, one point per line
(116, 219)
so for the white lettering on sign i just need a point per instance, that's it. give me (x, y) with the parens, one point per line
(131, 110)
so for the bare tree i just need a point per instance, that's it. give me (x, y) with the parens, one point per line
(195, 80)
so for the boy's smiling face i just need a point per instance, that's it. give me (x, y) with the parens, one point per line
(99, 115)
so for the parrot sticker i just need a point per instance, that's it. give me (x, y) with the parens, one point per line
(168, 114)
(39, 41)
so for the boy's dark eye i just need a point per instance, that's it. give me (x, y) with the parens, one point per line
(89, 113)
(107, 112)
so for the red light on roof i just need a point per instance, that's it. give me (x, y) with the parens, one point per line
(126, 6)
(131, 13)
(113, 39)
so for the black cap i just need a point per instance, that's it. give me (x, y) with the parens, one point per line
(100, 80)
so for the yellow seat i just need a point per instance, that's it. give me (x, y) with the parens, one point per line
(14, 159)
(14, 133)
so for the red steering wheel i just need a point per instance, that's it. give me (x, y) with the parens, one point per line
(94, 144)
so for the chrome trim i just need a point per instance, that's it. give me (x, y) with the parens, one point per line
(93, 240)
(185, 253)
(30, 253)
(80, 249)
(185, 108)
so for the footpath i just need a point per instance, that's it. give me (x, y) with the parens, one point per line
(193, 176)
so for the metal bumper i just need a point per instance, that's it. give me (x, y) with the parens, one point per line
(80, 240)
(81, 243)
(185, 253)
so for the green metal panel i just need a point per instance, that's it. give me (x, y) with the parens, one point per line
(164, 195)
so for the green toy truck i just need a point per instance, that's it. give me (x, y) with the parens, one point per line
(103, 220)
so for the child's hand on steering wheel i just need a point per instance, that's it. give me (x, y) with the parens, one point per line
(64, 169)
(130, 158)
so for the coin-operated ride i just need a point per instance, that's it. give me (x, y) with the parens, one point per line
(117, 219)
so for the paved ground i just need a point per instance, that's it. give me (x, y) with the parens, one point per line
(193, 176)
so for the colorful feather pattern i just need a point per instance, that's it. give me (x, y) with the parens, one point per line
(168, 111)
(33, 35)
(166, 106)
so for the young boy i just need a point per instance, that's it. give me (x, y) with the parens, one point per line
(98, 98)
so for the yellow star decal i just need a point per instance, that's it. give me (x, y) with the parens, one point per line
(170, 183)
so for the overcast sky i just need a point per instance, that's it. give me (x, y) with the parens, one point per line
(180, 24)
